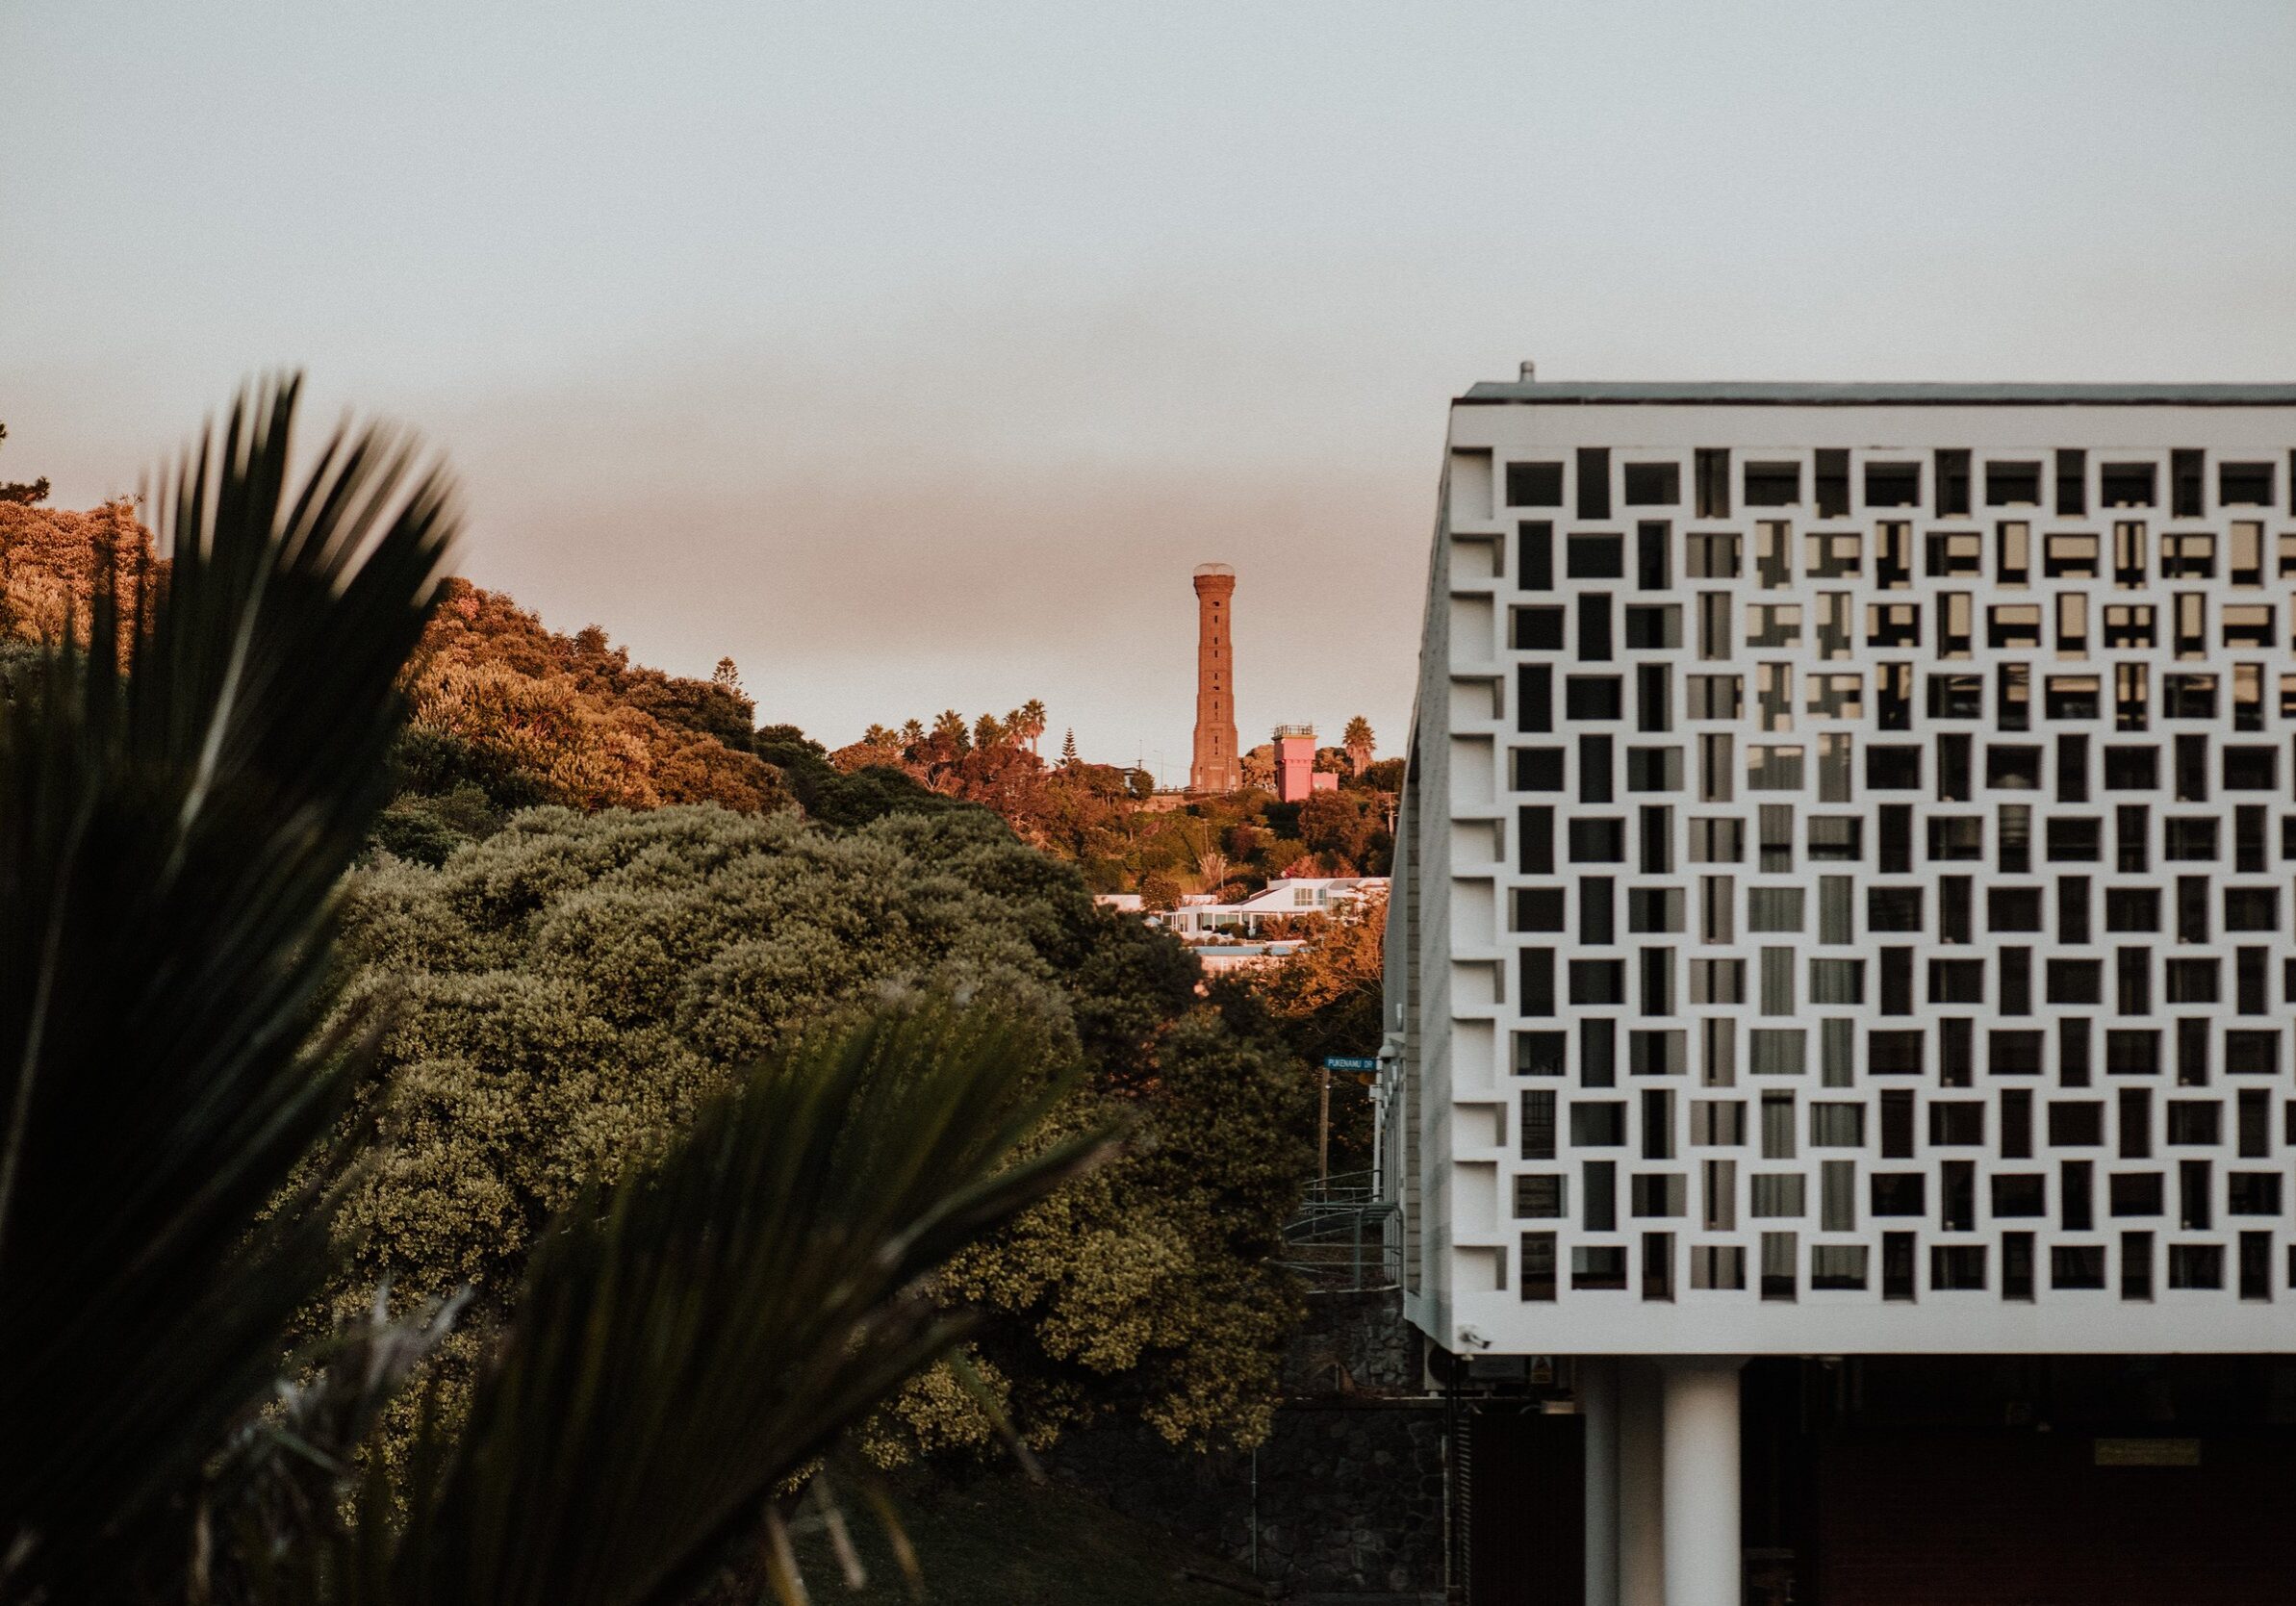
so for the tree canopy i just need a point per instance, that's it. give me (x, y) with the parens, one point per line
(573, 986)
(51, 560)
(545, 717)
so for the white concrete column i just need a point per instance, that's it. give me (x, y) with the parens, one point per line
(1598, 1410)
(1703, 1549)
(1642, 1496)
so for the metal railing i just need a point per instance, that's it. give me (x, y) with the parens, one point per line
(1343, 1239)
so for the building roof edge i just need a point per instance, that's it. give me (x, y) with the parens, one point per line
(1797, 393)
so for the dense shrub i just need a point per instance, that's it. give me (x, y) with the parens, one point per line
(573, 986)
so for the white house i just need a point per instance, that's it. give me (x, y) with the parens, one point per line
(1199, 918)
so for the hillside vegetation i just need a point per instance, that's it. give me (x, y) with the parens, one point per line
(601, 890)
(507, 713)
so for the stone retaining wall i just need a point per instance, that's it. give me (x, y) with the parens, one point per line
(1345, 1502)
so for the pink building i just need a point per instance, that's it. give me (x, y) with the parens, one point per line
(1296, 775)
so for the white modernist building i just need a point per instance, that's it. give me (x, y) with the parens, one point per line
(1843, 900)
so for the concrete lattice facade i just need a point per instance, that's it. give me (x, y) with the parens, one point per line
(1849, 874)
(1843, 902)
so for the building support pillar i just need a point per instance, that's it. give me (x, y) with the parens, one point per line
(1598, 1410)
(1642, 1497)
(1704, 1557)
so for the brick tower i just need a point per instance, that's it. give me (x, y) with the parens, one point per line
(1215, 767)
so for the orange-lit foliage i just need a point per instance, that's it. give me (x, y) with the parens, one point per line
(1343, 964)
(49, 559)
(572, 712)
(1070, 810)
(1105, 819)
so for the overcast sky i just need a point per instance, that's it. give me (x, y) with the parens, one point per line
(913, 354)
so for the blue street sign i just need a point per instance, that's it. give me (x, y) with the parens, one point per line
(1340, 1063)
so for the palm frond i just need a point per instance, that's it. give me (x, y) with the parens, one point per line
(183, 782)
(688, 1342)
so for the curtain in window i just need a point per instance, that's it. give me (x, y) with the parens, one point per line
(1779, 1051)
(1720, 1206)
(1837, 980)
(1777, 1126)
(1779, 1195)
(1836, 921)
(1837, 1041)
(1837, 1203)
(1778, 981)
(1717, 1052)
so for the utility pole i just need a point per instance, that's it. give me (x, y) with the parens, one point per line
(1323, 1126)
(1323, 1118)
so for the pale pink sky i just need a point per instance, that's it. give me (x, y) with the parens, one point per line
(913, 354)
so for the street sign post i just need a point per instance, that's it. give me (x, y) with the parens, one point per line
(1323, 1115)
